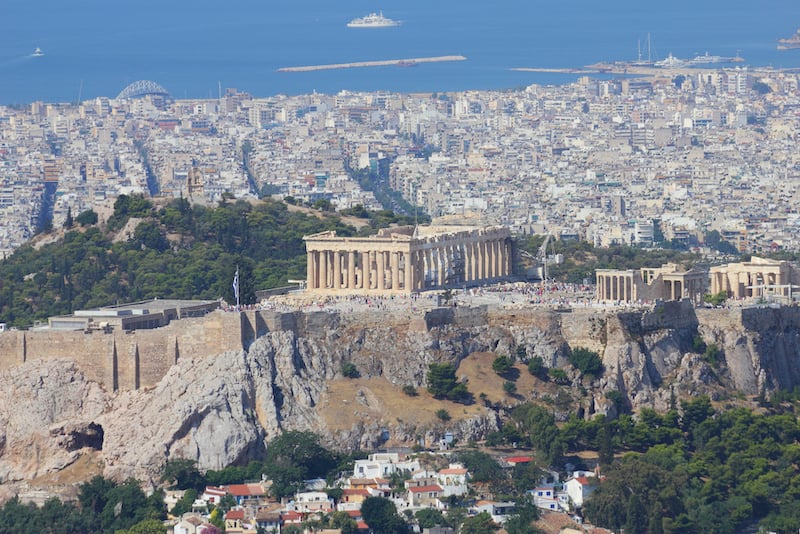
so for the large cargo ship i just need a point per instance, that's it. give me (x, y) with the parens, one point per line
(790, 42)
(373, 20)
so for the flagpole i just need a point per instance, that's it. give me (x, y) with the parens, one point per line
(236, 286)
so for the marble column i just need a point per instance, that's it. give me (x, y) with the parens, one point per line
(440, 266)
(381, 272)
(364, 271)
(337, 270)
(395, 267)
(310, 269)
(351, 269)
(323, 269)
(408, 271)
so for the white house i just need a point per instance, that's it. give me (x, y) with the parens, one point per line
(545, 498)
(425, 496)
(453, 480)
(580, 486)
(310, 502)
(383, 464)
(500, 511)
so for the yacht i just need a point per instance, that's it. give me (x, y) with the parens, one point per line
(670, 62)
(373, 20)
(38, 52)
(699, 60)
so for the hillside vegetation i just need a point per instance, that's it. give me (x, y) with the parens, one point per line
(177, 250)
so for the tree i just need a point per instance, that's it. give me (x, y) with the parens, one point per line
(442, 414)
(520, 522)
(381, 516)
(587, 361)
(502, 365)
(695, 411)
(148, 234)
(442, 382)
(69, 222)
(429, 518)
(349, 370)
(536, 368)
(509, 387)
(182, 473)
(86, 218)
(126, 505)
(441, 379)
(295, 456)
(343, 521)
(479, 524)
(323, 204)
(93, 497)
(482, 467)
(540, 425)
(147, 526)
(185, 503)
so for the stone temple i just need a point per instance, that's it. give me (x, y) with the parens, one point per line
(408, 259)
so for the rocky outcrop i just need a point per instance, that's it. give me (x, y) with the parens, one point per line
(47, 412)
(224, 409)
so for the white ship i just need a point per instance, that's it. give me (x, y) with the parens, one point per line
(670, 62)
(38, 52)
(373, 20)
(699, 60)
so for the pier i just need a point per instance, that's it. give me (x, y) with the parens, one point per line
(380, 63)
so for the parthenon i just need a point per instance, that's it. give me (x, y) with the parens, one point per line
(407, 259)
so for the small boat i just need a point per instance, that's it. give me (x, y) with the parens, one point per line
(38, 52)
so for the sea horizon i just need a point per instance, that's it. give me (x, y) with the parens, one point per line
(193, 50)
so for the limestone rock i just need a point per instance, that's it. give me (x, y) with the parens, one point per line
(225, 409)
(33, 398)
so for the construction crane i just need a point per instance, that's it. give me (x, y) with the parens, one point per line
(540, 260)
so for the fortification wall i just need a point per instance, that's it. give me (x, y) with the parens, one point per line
(120, 360)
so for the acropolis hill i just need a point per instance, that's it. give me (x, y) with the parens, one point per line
(195, 387)
(127, 360)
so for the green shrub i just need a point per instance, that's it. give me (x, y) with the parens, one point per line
(443, 414)
(410, 390)
(350, 370)
(536, 368)
(586, 361)
(559, 376)
(502, 365)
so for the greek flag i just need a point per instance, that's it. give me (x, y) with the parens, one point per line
(236, 285)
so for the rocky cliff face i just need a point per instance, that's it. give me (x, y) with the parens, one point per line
(224, 409)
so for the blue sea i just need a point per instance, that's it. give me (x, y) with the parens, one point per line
(96, 48)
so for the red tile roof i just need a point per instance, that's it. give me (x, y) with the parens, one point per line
(453, 471)
(422, 489)
(518, 459)
(235, 514)
(245, 490)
